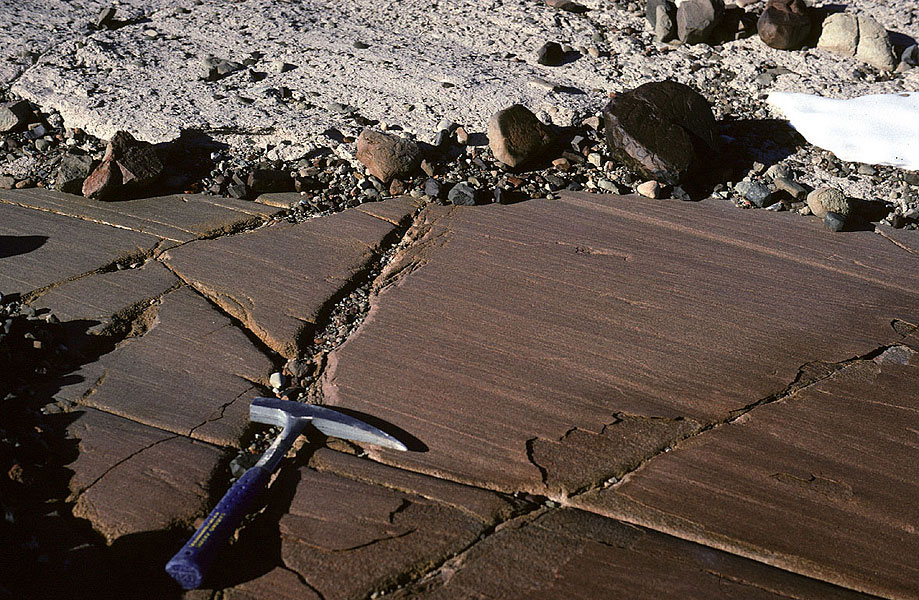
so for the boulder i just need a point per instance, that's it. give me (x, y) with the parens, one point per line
(127, 166)
(859, 36)
(661, 14)
(516, 136)
(825, 200)
(387, 156)
(784, 25)
(664, 130)
(696, 19)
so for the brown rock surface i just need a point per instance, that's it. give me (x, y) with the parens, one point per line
(815, 484)
(665, 130)
(516, 136)
(574, 554)
(131, 478)
(38, 249)
(128, 165)
(349, 539)
(104, 296)
(187, 371)
(177, 218)
(504, 326)
(278, 280)
(387, 156)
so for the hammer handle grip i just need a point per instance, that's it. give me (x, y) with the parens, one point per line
(190, 564)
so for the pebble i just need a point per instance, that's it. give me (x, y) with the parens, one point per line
(277, 380)
(595, 159)
(649, 189)
(433, 188)
(834, 221)
(791, 187)
(550, 54)
(462, 194)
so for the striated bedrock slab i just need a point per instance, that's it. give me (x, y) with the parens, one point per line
(517, 342)
(819, 483)
(278, 280)
(176, 218)
(349, 539)
(352, 527)
(130, 478)
(569, 553)
(187, 370)
(38, 249)
(104, 298)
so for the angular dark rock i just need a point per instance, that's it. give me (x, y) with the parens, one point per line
(387, 156)
(127, 165)
(516, 136)
(662, 129)
(15, 115)
(265, 181)
(784, 25)
(72, 172)
(433, 188)
(695, 19)
(550, 54)
(834, 221)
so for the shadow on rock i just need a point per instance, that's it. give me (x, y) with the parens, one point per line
(14, 245)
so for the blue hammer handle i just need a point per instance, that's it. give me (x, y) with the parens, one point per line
(190, 564)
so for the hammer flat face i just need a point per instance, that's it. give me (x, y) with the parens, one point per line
(287, 413)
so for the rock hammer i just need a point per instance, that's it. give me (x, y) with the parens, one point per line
(190, 564)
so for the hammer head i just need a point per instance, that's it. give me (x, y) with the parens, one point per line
(289, 414)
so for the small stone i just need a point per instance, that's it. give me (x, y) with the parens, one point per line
(397, 187)
(387, 156)
(897, 221)
(151, 33)
(71, 173)
(237, 190)
(649, 189)
(105, 18)
(593, 52)
(910, 56)
(791, 187)
(359, 45)
(277, 380)
(827, 199)
(550, 54)
(834, 221)
(7, 182)
(757, 193)
(433, 188)
(427, 167)
(784, 25)
(609, 186)
(778, 171)
(866, 170)
(516, 136)
(595, 159)
(14, 115)
(279, 66)
(593, 122)
(218, 68)
(696, 19)
(462, 194)
(561, 164)
(462, 138)
(103, 182)
(567, 5)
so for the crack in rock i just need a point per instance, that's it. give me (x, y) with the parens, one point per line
(76, 495)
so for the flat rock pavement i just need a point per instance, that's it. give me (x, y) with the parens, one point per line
(602, 395)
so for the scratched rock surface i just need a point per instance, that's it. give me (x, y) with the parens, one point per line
(566, 553)
(186, 370)
(176, 218)
(816, 484)
(278, 280)
(514, 341)
(125, 479)
(38, 249)
(351, 527)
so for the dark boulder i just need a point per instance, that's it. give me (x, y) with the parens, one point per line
(665, 130)
(784, 25)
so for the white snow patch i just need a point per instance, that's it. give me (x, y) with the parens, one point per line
(881, 129)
